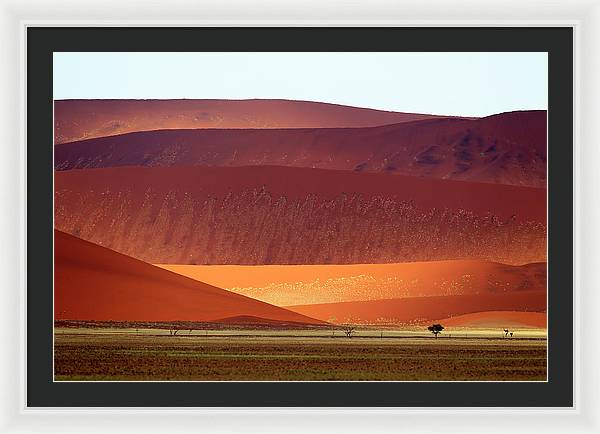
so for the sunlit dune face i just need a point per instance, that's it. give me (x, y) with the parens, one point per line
(308, 284)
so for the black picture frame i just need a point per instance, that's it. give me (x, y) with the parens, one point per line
(43, 392)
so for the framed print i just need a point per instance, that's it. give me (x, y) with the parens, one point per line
(254, 219)
(285, 225)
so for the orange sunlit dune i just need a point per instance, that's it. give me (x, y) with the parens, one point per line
(284, 285)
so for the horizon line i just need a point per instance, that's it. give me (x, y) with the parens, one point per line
(301, 101)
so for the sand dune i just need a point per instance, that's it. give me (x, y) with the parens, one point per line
(253, 321)
(80, 119)
(501, 319)
(95, 283)
(283, 285)
(509, 148)
(283, 215)
(418, 310)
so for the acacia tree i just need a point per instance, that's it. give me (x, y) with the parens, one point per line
(435, 329)
(349, 330)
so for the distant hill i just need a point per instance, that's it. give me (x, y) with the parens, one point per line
(84, 119)
(509, 148)
(95, 283)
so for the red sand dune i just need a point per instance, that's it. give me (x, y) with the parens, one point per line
(283, 215)
(80, 119)
(284, 285)
(505, 319)
(422, 309)
(95, 283)
(509, 148)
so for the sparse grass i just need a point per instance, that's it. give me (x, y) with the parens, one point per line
(293, 355)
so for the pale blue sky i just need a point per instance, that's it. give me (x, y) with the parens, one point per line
(468, 84)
